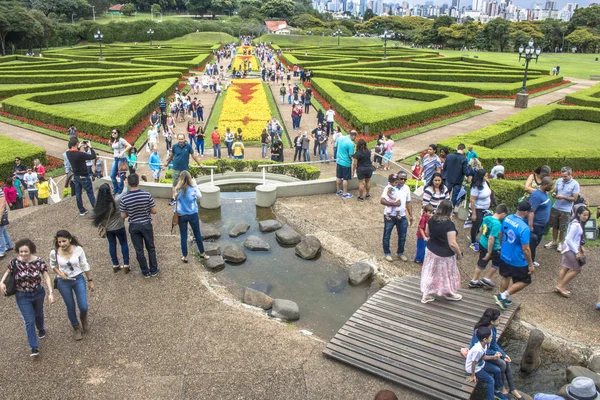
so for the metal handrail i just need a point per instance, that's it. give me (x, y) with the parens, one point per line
(410, 174)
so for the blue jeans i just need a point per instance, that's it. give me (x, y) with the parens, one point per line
(217, 150)
(31, 306)
(323, 152)
(264, 148)
(421, 246)
(194, 222)
(289, 99)
(200, 146)
(487, 380)
(115, 176)
(112, 237)
(83, 182)
(455, 188)
(283, 99)
(335, 152)
(5, 242)
(495, 373)
(229, 148)
(329, 128)
(401, 225)
(143, 235)
(306, 154)
(67, 288)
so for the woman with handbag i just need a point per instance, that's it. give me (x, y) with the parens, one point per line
(107, 219)
(573, 252)
(70, 264)
(120, 166)
(24, 279)
(6, 243)
(186, 211)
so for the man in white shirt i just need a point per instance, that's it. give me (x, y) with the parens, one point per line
(401, 223)
(329, 117)
(30, 178)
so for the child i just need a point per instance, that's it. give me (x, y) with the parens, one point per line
(476, 366)
(43, 190)
(238, 149)
(154, 163)
(416, 168)
(422, 237)
(132, 160)
(390, 195)
(99, 167)
(489, 247)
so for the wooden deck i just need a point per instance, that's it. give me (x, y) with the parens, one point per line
(395, 336)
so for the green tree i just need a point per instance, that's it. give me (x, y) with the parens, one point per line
(443, 21)
(283, 9)
(306, 22)
(521, 32)
(128, 9)
(79, 7)
(585, 17)
(584, 39)
(11, 16)
(554, 32)
(497, 32)
(368, 15)
(155, 9)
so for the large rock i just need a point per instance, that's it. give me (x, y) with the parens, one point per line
(287, 310)
(257, 299)
(336, 284)
(288, 236)
(531, 359)
(214, 263)
(308, 248)
(212, 248)
(261, 287)
(594, 364)
(255, 243)
(269, 225)
(574, 371)
(360, 272)
(234, 254)
(239, 229)
(208, 231)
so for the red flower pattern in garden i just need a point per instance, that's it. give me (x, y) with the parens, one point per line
(246, 91)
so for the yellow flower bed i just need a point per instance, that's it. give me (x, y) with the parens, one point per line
(245, 106)
(238, 63)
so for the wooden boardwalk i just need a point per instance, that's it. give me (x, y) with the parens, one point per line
(395, 336)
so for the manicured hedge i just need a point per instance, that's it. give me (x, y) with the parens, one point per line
(339, 95)
(523, 160)
(588, 97)
(174, 61)
(38, 106)
(11, 148)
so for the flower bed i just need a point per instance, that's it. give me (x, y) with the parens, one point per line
(238, 62)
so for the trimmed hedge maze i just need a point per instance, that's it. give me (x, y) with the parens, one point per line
(11, 148)
(587, 97)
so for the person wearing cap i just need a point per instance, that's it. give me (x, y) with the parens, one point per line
(581, 388)
(515, 255)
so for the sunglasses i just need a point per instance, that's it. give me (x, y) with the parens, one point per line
(70, 265)
(401, 179)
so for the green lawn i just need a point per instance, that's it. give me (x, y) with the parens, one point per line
(202, 38)
(105, 106)
(558, 134)
(287, 40)
(572, 65)
(381, 103)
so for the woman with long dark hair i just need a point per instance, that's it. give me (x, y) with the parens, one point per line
(573, 252)
(491, 319)
(435, 192)
(107, 215)
(361, 164)
(187, 209)
(431, 163)
(120, 148)
(69, 262)
(481, 196)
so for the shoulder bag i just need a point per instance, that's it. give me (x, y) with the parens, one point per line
(10, 281)
(4, 219)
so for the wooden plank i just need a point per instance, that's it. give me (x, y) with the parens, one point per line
(395, 336)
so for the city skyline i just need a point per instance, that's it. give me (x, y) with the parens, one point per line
(521, 3)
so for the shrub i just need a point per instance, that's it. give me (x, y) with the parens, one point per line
(300, 171)
(11, 148)
(588, 97)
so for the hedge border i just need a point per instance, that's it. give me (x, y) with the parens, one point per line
(11, 148)
(589, 97)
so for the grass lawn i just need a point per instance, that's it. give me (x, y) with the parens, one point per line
(558, 134)
(303, 40)
(105, 106)
(572, 65)
(382, 103)
(201, 38)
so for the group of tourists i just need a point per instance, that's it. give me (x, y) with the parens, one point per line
(25, 186)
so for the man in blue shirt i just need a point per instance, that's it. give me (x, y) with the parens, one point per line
(471, 154)
(343, 173)
(539, 215)
(180, 154)
(515, 255)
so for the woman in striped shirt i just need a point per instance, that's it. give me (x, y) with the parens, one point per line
(431, 163)
(435, 191)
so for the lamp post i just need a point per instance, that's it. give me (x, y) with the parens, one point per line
(528, 53)
(386, 35)
(99, 36)
(338, 33)
(150, 32)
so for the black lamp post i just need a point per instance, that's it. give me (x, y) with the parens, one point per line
(528, 53)
(150, 32)
(99, 37)
(338, 33)
(386, 35)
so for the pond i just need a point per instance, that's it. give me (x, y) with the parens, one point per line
(290, 277)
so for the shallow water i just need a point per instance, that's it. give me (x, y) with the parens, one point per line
(290, 277)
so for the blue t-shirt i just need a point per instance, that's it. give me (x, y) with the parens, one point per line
(515, 233)
(154, 162)
(345, 147)
(181, 156)
(540, 206)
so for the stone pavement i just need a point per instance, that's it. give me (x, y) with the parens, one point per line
(167, 337)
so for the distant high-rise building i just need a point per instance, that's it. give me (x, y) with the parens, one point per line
(477, 5)
(362, 7)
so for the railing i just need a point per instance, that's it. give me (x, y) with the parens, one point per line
(410, 174)
(265, 166)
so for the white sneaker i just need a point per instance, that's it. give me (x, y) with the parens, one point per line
(559, 248)
(389, 258)
(550, 245)
(536, 264)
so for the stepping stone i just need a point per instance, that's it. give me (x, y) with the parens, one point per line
(288, 236)
(335, 284)
(212, 248)
(287, 310)
(257, 299)
(234, 254)
(215, 263)
(256, 244)
(209, 232)
(308, 248)
(239, 229)
(360, 272)
(269, 225)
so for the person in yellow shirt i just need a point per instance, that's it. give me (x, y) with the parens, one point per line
(43, 190)
(238, 149)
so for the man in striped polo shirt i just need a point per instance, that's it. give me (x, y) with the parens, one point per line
(137, 205)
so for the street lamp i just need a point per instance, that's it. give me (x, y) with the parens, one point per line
(150, 32)
(338, 33)
(386, 35)
(528, 53)
(99, 37)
